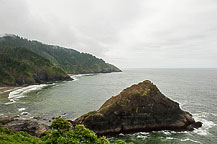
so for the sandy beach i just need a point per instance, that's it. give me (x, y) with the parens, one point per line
(4, 91)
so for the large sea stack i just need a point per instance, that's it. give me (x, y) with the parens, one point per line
(141, 107)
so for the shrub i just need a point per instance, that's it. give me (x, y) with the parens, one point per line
(12, 137)
(61, 133)
(61, 125)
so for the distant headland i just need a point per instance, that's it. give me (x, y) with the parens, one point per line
(26, 62)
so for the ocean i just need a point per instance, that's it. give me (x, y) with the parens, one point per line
(194, 89)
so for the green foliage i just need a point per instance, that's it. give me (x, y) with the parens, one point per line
(20, 66)
(71, 61)
(61, 125)
(12, 137)
(61, 133)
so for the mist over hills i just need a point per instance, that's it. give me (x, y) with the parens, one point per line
(22, 61)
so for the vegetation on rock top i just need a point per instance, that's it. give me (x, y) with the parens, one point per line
(141, 107)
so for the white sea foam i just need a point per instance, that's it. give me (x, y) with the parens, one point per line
(142, 136)
(213, 114)
(56, 85)
(20, 93)
(144, 133)
(187, 139)
(21, 109)
(166, 132)
(121, 134)
(11, 102)
(25, 113)
(170, 138)
(207, 124)
(78, 76)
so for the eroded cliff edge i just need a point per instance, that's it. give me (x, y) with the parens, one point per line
(141, 107)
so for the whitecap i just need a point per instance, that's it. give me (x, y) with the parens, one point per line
(25, 113)
(20, 93)
(170, 138)
(187, 139)
(78, 76)
(141, 136)
(178, 132)
(166, 132)
(213, 114)
(207, 124)
(121, 134)
(144, 133)
(11, 102)
(21, 109)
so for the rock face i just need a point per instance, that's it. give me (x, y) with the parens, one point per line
(29, 126)
(141, 107)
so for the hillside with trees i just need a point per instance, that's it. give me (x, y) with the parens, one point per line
(71, 61)
(20, 66)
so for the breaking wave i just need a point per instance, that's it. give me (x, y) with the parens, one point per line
(207, 124)
(20, 93)
(78, 76)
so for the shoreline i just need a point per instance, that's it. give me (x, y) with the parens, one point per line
(6, 89)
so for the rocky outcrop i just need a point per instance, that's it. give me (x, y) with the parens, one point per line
(43, 77)
(141, 107)
(30, 126)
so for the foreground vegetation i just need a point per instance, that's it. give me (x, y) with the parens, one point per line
(61, 133)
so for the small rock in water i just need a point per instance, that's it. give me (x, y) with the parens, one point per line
(37, 117)
(53, 118)
(64, 114)
(17, 116)
(24, 113)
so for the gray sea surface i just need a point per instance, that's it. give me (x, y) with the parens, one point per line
(194, 89)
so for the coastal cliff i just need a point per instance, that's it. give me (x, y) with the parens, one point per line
(141, 107)
(19, 66)
(68, 59)
(26, 62)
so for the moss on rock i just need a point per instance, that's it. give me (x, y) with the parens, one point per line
(141, 107)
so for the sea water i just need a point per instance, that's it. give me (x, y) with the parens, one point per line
(194, 89)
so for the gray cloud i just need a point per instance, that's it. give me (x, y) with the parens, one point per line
(128, 33)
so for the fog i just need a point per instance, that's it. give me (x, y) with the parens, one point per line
(127, 33)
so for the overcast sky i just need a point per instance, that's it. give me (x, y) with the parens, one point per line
(127, 33)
